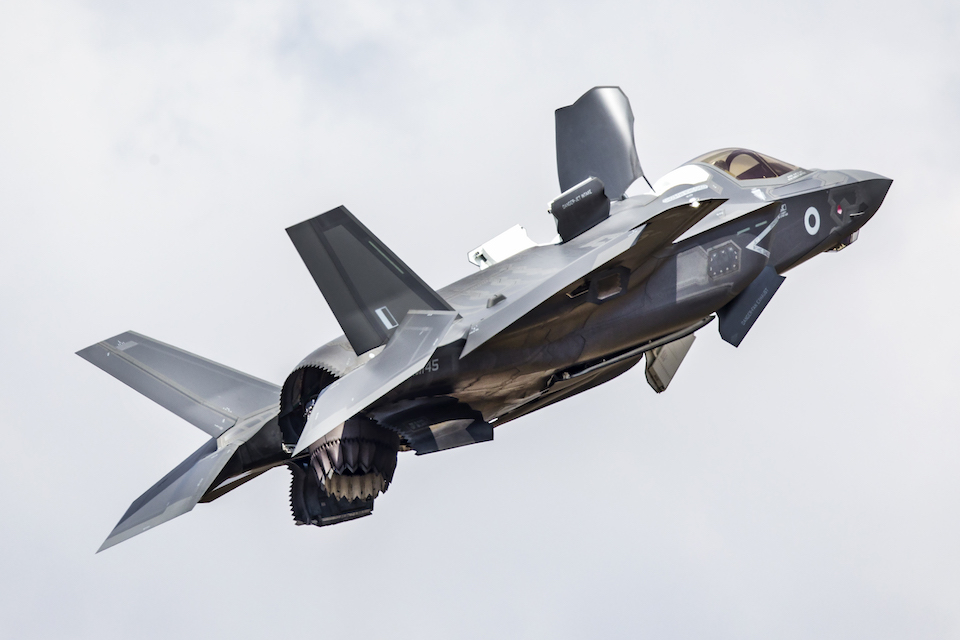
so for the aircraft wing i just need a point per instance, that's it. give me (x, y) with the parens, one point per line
(493, 299)
(208, 395)
(407, 351)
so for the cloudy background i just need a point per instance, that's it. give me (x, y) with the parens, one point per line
(804, 485)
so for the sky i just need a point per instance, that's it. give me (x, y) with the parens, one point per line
(151, 156)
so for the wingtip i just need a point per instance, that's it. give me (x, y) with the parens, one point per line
(109, 542)
(128, 332)
(86, 350)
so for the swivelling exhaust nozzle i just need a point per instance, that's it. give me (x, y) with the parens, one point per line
(356, 460)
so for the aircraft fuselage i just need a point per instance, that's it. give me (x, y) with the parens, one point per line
(641, 302)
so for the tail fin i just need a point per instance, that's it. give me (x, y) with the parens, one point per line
(369, 289)
(179, 491)
(227, 404)
(208, 395)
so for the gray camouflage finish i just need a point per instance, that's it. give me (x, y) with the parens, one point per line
(535, 328)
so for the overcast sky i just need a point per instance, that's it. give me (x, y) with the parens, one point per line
(804, 485)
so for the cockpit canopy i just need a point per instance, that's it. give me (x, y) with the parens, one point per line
(744, 164)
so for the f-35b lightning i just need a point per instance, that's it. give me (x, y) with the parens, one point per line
(628, 279)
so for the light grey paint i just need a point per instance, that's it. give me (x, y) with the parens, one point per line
(208, 395)
(179, 491)
(664, 362)
(408, 349)
(529, 278)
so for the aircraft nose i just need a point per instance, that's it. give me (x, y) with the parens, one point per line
(873, 188)
(878, 188)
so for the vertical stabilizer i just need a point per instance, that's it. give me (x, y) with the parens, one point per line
(369, 289)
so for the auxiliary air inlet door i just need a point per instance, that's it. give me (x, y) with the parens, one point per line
(595, 139)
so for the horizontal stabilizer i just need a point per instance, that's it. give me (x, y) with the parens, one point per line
(208, 395)
(176, 493)
(738, 316)
(179, 491)
(408, 350)
(595, 139)
(369, 289)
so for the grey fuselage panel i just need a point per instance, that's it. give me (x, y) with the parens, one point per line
(634, 296)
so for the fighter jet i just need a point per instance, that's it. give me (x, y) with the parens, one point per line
(627, 279)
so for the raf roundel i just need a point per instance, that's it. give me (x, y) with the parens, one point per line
(811, 221)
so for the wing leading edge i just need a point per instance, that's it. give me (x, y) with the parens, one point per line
(208, 395)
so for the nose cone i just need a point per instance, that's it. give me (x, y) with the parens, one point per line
(873, 189)
(877, 190)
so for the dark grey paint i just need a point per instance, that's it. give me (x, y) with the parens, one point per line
(367, 286)
(595, 140)
(581, 207)
(738, 316)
